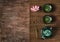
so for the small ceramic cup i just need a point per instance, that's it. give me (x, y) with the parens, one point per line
(47, 19)
(46, 32)
(47, 8)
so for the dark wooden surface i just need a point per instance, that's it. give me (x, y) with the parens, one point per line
(18, 24)
(36, 21)
(14, 21)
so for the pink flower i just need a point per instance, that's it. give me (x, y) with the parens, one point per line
(34, 8)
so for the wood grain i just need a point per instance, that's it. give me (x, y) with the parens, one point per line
(14, 21)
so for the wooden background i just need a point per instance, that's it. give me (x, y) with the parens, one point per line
(19, 24)
(36, 21)
(14, 21)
